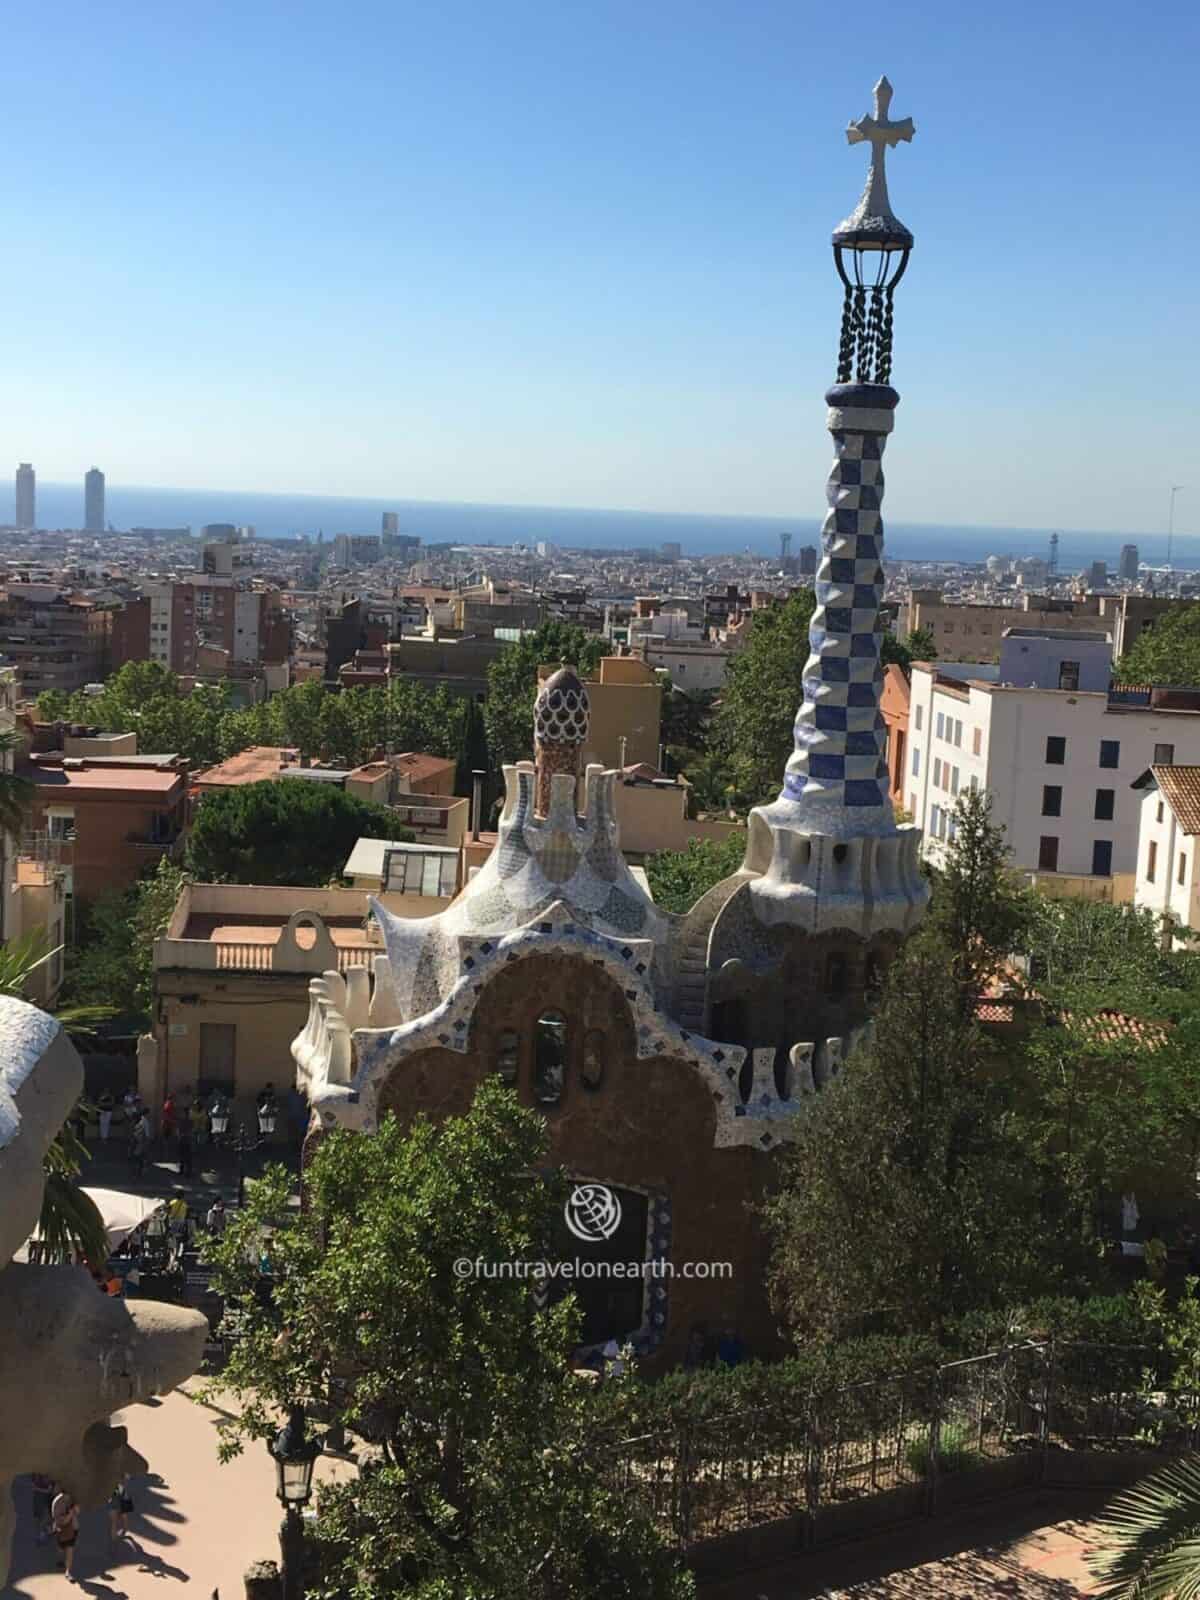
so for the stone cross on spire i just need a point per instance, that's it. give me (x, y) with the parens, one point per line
(873, 215)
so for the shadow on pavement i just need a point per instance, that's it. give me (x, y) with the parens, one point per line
(977, 1552)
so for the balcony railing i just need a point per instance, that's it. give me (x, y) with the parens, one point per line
(169, 845)
(244, 955)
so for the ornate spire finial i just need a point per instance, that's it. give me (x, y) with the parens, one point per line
(872, 224)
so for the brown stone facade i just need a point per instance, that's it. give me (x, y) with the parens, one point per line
(646, 1125)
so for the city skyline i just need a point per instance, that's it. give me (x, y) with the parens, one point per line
(480, 284)
(160, 504)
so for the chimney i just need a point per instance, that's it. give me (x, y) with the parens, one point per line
(476, 801)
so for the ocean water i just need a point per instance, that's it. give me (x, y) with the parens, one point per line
(277, 516)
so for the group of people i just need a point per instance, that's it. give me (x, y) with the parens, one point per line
(56, 1516)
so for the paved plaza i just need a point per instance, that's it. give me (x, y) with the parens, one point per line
(1021, 1547)
(196, 1525)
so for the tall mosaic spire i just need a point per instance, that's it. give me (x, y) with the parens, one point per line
(835, 784)
(837, 774)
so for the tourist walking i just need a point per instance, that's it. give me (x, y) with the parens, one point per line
(216, 1218)
(104, 1107)
(198, 1119)
(170, 1123)
(65, 1516)
(120, 1504)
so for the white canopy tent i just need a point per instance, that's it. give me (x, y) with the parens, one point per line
(122, 1212)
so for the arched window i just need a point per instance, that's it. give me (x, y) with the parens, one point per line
(549, 1057)
(508, 1057)
(592, 1073)
(836, 974)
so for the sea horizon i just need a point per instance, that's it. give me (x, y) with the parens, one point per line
(282, 516)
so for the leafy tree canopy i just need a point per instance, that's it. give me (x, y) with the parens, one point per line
(1167, 653)
(486, 1483)
(284, 830)
(752, 727)
(679, 877)
(113, 963)
(349, 727)
(512, 683)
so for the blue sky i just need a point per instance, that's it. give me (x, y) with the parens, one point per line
(577, 254)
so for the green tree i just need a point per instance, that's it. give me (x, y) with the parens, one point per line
(979, 908)
(918, 646)
(752, 727)
(113, 963)
(339, 730)
(486, 1482)
(679, 877)
(300, 716)
(512, 683)
(283, 830)
(1115, 1063)
(686, 715)
(472, 750)
(907, 1199)
(1168, 653)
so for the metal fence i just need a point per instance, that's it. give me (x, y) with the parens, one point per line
(907, 1446)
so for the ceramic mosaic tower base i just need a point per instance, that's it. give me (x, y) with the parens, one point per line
(837, 775)
(828, 850)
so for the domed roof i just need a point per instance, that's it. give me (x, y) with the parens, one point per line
(561, 711)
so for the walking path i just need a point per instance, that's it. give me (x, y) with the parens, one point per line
(1022, 1547)
(196, 1525)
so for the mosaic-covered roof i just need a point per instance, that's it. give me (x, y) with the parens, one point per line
(559, 859)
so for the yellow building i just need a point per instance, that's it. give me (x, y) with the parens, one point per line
(231, 976)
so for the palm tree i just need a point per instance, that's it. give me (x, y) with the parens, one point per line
(1150, 1537)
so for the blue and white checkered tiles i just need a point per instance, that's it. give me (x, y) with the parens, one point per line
(840, 737)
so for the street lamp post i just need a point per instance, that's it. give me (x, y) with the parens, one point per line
(295, 1456)
(241, 1142)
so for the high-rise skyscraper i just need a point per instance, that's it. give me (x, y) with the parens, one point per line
(1127, 567)
(26, 497)
(93, 501)
(391, 524)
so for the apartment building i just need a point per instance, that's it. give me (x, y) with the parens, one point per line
(178, 619)
(108, 817)
(970, 632)
(53, 638)
(1058, 764)
(1168, 861)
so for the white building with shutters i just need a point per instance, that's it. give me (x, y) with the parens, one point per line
(1058, 764)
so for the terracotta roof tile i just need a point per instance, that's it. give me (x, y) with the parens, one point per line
(1180, 788)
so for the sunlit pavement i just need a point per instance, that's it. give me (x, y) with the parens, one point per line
(195, 1522)
(1022, 1547)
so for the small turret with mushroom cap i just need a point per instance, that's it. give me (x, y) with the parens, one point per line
(560, 729)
